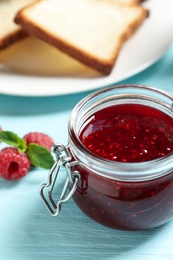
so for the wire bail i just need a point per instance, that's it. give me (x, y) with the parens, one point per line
(63, 160)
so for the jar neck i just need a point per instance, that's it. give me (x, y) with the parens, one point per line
(123, 94)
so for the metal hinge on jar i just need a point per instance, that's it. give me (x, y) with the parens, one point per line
(63, 160)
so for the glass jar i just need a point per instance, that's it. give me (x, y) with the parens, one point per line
(118, 194)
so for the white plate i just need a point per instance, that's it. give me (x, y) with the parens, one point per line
(44, 71)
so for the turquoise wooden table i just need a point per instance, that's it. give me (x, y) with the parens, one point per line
(27, 231)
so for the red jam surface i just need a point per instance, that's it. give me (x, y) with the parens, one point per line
(127, 133)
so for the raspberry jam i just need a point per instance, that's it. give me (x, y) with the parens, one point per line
(128, 133)
(119, 158)
(123, 139)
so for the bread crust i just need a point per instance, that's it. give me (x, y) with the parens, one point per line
(8, 11)
(103, 66)
(12, 38)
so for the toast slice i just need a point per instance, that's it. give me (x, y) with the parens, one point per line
(9, 31)
(90, 31)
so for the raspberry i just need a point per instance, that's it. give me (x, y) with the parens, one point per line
(39, 138)
(13, 165)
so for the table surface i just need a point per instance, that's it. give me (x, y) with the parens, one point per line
(27, 231)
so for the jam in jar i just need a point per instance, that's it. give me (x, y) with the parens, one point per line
(119, 157)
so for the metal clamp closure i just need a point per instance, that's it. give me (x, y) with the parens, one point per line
(63, 160)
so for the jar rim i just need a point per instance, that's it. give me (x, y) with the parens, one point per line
(125, 171)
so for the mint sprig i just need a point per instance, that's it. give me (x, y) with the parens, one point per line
(38, 155)
(13, 139)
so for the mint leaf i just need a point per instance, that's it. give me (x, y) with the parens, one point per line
(13, 139)
(39, 156)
